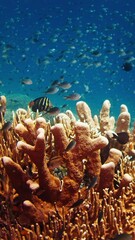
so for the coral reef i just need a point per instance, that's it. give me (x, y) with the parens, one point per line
(70, 179)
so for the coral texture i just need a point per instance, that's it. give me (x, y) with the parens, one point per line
(67, 180)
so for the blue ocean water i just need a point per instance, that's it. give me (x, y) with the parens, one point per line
(82, 42)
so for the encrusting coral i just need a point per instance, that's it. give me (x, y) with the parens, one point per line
(69, 180)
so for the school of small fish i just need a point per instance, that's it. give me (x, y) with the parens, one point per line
(68, 49)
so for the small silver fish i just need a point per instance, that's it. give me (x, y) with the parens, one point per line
(65, 85)
(26, 81)
(52, 90)
(53, 111)
(73, 96)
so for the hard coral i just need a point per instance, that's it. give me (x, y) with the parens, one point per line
(91, 196)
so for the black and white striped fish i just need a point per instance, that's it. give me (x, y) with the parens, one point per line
(41, 104)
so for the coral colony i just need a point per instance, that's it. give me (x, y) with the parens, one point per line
(73, 179)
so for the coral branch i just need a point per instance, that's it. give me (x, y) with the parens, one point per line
(18, 178)
(123, 121)
(72, 180)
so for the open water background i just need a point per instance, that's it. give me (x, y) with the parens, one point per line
(84, 43)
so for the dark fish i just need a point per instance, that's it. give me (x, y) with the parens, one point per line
(100, 215)
(41, 104)
(123, 236)
(7, 126)
(104, 153)
(127, 66)
(92, 182)
(121, 137)
(77, 203)
(73, 96)
(39, 61)
(59, 58)
(52, 90)
(62, 77)
(70, 146)
(64, 105)
(96, 53)
(55, 83)
(35, 39)
(53, 111)
(9, 46)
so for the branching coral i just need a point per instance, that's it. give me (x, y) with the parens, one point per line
(91, 196)
(106, 122)
(123, 119)
(3, 102)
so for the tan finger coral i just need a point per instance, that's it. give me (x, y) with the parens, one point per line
(123, 121)
(3, 102)
(32, 206)
(60, 138)
(106, 122)
(52, 188)
(47, 181)
(81, 198)
(84, 113)
(114, 156)
(85, 144)
(15, 172)
(84, 147)
(106, 176)
(126, 180)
